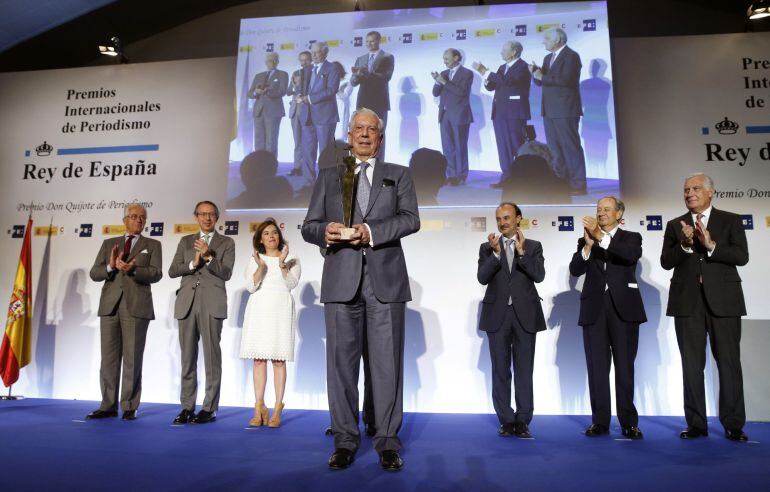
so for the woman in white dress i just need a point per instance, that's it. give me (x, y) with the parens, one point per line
(269, 324)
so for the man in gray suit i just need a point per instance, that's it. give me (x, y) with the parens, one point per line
(372, 73)
(364, 288)
(267, 90)
(204, 260)
(127, 265)
(295, 89)
(317, 108)
(453, 88)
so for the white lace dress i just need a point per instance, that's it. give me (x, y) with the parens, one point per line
(269, 324)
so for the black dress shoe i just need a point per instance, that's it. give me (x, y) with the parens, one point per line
(736, 435)
(184, 416)
(129, 415)
(596, 430)
(204, 417)
(101, 414)
(328, 432)
(341, 458)
(390, 460)
(506, 430)
(521, 430)
(632, 432)
(370, 430)
(693, 433)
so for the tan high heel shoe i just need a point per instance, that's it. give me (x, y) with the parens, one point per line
(260, 415)
(275, 419)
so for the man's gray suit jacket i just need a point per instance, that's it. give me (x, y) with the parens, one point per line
(206, 281)
(270, 103)
(134, 287)
(391, 214)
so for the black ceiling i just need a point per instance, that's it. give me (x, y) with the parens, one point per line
(73, 43)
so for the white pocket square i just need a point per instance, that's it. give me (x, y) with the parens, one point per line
(143, 251)
(633, 286)
(514, 97)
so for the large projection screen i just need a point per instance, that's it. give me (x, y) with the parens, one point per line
(417, 40)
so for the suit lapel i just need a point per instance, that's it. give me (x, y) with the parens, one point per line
(136, 248)
(504, 255)
(377, 177)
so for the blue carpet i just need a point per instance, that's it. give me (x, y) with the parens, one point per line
(45, 445)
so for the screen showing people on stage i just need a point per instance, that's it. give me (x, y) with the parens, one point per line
(473, 83)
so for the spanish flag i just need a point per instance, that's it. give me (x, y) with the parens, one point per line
(16, 349)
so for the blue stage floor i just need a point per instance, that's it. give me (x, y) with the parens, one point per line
(45, 445)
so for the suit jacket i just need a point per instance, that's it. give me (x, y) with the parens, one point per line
(721, 282)
(292, 90)
(269, 104)
(134, 287)
(373, 92)
(561, 85)
(391, 214)
(518, 284)
(511, 100)
(208, 280)
(614, 268)
(454, 97)
(322, 92)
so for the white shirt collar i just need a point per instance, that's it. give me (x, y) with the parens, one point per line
(371, 161)
(136, 236)
(706, 214)
(614, 231)
(510, 63)
(375, 53)
(203, 234)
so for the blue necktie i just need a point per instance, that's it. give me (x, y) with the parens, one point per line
(364, 188)
(371, 62)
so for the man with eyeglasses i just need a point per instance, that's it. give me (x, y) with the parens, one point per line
(205, 261)
(127, 265)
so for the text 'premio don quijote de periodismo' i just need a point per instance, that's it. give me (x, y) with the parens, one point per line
(99, 111)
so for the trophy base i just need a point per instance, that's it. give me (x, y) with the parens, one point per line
(346, 233)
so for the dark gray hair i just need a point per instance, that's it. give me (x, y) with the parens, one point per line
(516, 46)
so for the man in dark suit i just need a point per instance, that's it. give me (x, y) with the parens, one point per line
(364, 288)
(372, 73)
(611, 310)
(204, 260)
(561, 108)
(453, 88)
(510, 106)
(267, 90)
(295, 89)
(704, 246)
(127, 265)
(511, 314)
(318, 108)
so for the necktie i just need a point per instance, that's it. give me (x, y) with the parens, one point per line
(207, 238)
(371, 62)
(314, 75)
(509, 252)
(509, 256)
(364, 188)
(699, 222)
(505, 71)
(451, 74)
(127, 247)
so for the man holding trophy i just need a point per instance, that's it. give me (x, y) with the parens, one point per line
(358, 213)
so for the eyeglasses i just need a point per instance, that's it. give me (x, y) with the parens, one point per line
(143, 218)
(210, 215)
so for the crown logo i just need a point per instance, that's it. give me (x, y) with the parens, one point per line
(727, 127)
(44, 149)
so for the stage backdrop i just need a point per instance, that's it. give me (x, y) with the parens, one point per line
(417, 39)
(51, 128)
